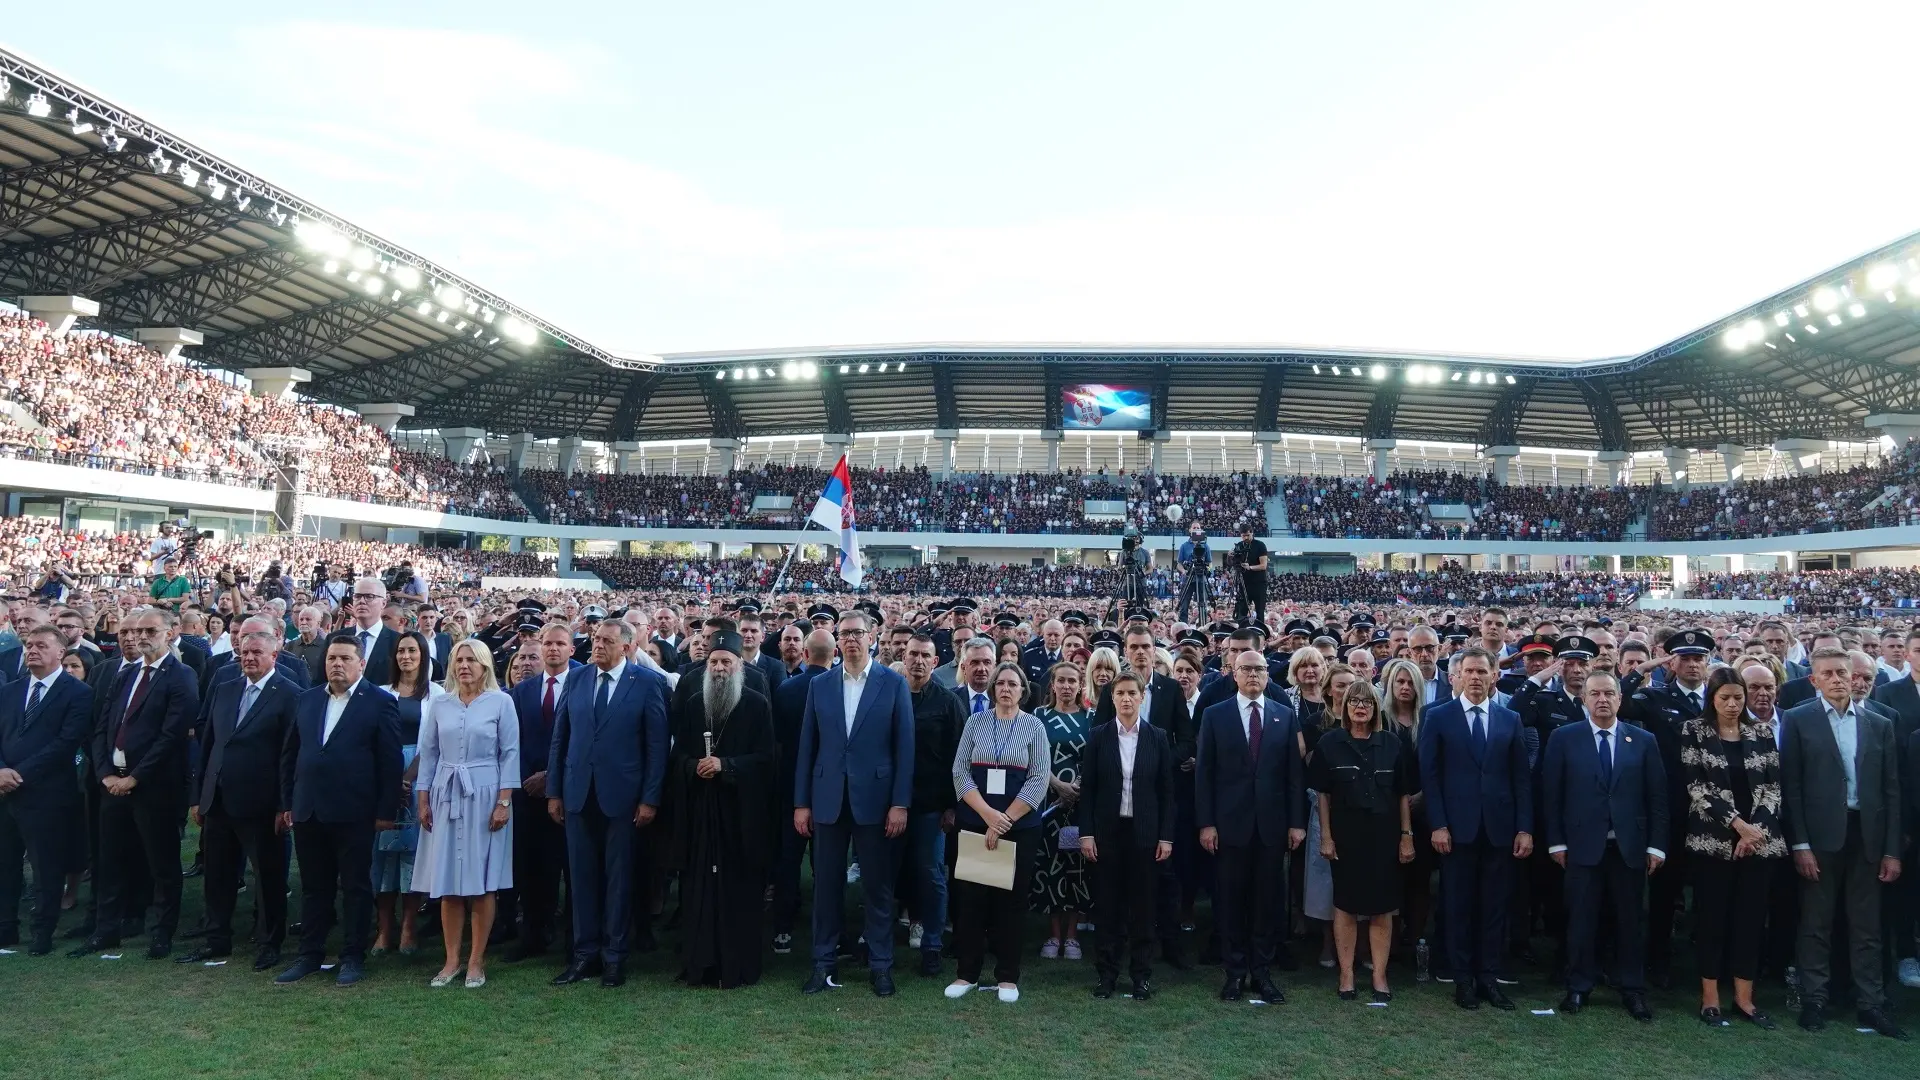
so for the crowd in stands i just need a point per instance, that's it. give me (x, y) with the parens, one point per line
(104, 402)
(1344, 507)
(1815, 591)
(1886, 493)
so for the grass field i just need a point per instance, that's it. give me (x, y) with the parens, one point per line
(136, 1018)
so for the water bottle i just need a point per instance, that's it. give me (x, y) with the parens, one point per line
(1422, 961)
(1793, 989)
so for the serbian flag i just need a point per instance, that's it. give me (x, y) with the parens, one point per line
(834, 513)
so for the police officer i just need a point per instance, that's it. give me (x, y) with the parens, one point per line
(1662, 709)
(1536, 652)
(1545, 700)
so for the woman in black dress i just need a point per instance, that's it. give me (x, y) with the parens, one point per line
(1362, 777)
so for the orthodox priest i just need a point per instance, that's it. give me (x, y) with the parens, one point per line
(720, 779)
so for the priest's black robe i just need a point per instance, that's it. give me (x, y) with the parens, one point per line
(720, 843)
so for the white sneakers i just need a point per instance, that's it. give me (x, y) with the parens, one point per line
(959, 989)
(915, 935)
(1008, 994)
(1910, 973)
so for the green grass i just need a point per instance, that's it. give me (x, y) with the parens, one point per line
(136, 1018)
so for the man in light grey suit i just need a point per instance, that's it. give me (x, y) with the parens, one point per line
(853, 782)
(1840, 774)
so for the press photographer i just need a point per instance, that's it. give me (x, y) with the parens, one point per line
(1249, 561)
(1196, 560)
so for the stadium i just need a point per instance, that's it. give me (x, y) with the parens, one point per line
(185, 344)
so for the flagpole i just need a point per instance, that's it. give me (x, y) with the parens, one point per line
(791, 552)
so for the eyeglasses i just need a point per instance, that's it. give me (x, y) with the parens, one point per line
(368, 596)
(853, 633)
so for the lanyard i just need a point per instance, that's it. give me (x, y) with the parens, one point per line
(999, 744)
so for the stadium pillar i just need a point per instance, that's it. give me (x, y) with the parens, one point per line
(1733, 457)
(517, 448)
(1502, 457)
(1160, 439)
(60, 312)
(1682, 576)
(1378, 450)
(1616, 467)
(276, 382)
(516, 544)
(1268, 444)
(1736, 564)
(943, 460)
(168, 340)
(460, 441)
(625, 453)
(1803, 455)
(1053, 439)
(837, 444)
(1613, 564)
(384, 415)
(1899, 427)
(1677, 459)
(726, 448)
(570, 455)
(564, 564)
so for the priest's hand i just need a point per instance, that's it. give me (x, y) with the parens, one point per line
(707, 767)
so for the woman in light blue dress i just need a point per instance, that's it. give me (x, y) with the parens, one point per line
(469, 768)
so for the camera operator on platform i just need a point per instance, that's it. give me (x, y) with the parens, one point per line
(1250, 563)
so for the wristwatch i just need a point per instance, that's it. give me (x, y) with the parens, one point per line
(504, 803)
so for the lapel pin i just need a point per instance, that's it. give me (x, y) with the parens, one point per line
(1627, 738)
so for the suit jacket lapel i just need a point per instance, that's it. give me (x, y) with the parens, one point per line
(865, 706)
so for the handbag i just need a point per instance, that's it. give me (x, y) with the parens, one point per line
(1070, 838)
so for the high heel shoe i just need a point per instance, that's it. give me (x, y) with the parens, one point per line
(1383, 996)
(1349, 995)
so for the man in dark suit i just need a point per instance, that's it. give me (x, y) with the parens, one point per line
(1605, 800)
(373, 636)
(1840, 780)
(239, 799)
(43, 719)
(427, 617)
(539, 842)
(853, 783)
(1250, 803)
(1473, 769)
(753, 634)
(140, 760)
(225, 667)
(789, 705)
(1799, 687)
(1900, 698)
(340, 769)
(605, 771)
(13, 664)
(1126, 818)
(973, 664)
(1246, 638)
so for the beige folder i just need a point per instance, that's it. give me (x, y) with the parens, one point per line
(984, 867)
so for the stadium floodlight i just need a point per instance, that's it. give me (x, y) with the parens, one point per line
(753, 373)
(113, 140)
(406, 277)
(770, 373)
(1810, 328)
(844, 369)
(440, 316)
(486, 315)
(1355, 372)
(361, 258)
(460, 326)
(1379, 372)
(738, 374)
(789, 370)
(1336, 368)
(423, 308)
(1833, 319)
(451, 297)
(1473, 377)
(6, 88)
(189, 175)
(216, 190)
(864, 367)
(1913, 286)
(1316, 369)
(1455, 378)
(809, 369)
(1857, 309)
(720, 376)
(331, 266)
(375, 285)
(1882, 277)
(38, 106)
(514, 329)
(1780, 318)
(1510, 380)
(1825, 299)
(79, 126)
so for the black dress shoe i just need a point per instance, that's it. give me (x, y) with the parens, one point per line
(1142, 990)
(1463, 996)
(351, 970)
(1714, 1018)
(79, 933)
(882, 982)
(203, 954)
(1265, 990)
(94, 946)
(930, 962)
(1233, 989)
(1636, 1006)
(1813, 1016)
(301, 968)
(193, 871)
(1106, 989)
(1882, 1023)
(266, 958)
(42, 944)
(578, 971)
(1496, 997)
(613, 977)
(821, 979)
(159, 947)
(1573, 1002)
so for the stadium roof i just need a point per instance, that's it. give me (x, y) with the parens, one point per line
(97, 202)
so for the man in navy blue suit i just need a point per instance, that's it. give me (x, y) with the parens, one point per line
(789, 706)
(605, 768)
(340, 769)
(1473, 769)
(140, 760)
(1250, 802)
(1605, 801)
(43, 718)
(238, 800)
(853, 781)
(539, 843)
(373, 636)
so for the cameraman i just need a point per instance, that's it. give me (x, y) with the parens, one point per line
(1250, 562)
(1197, 559)
(1133, 568)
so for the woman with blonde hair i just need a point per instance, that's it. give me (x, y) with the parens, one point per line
(1403, 687)
(1102, 666)
(469, 769)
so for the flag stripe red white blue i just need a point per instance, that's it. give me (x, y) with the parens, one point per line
(834, 512)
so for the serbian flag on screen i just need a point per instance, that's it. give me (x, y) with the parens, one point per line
(834, 512)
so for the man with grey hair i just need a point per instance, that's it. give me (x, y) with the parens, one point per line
(369, 605)
(719, 775)
(311, 643)
(976, 662)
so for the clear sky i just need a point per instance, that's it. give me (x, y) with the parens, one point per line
(1542, 178)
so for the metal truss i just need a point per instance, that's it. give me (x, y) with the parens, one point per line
(413, 376)
(192, 295)
(1502, 425)
(297, 339)
(86, 261)
(722, 413)
(1380, 413)
(1606, 416)
(633, 403)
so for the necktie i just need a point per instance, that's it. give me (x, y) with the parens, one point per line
(1606, 760)
(134, 701)
(1693, 699)
(246, 705)
(1479, 732)
(1253, 731)
(33, 703)
(979, 703)
(604, 695)
(365, 638)
(546, 704)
